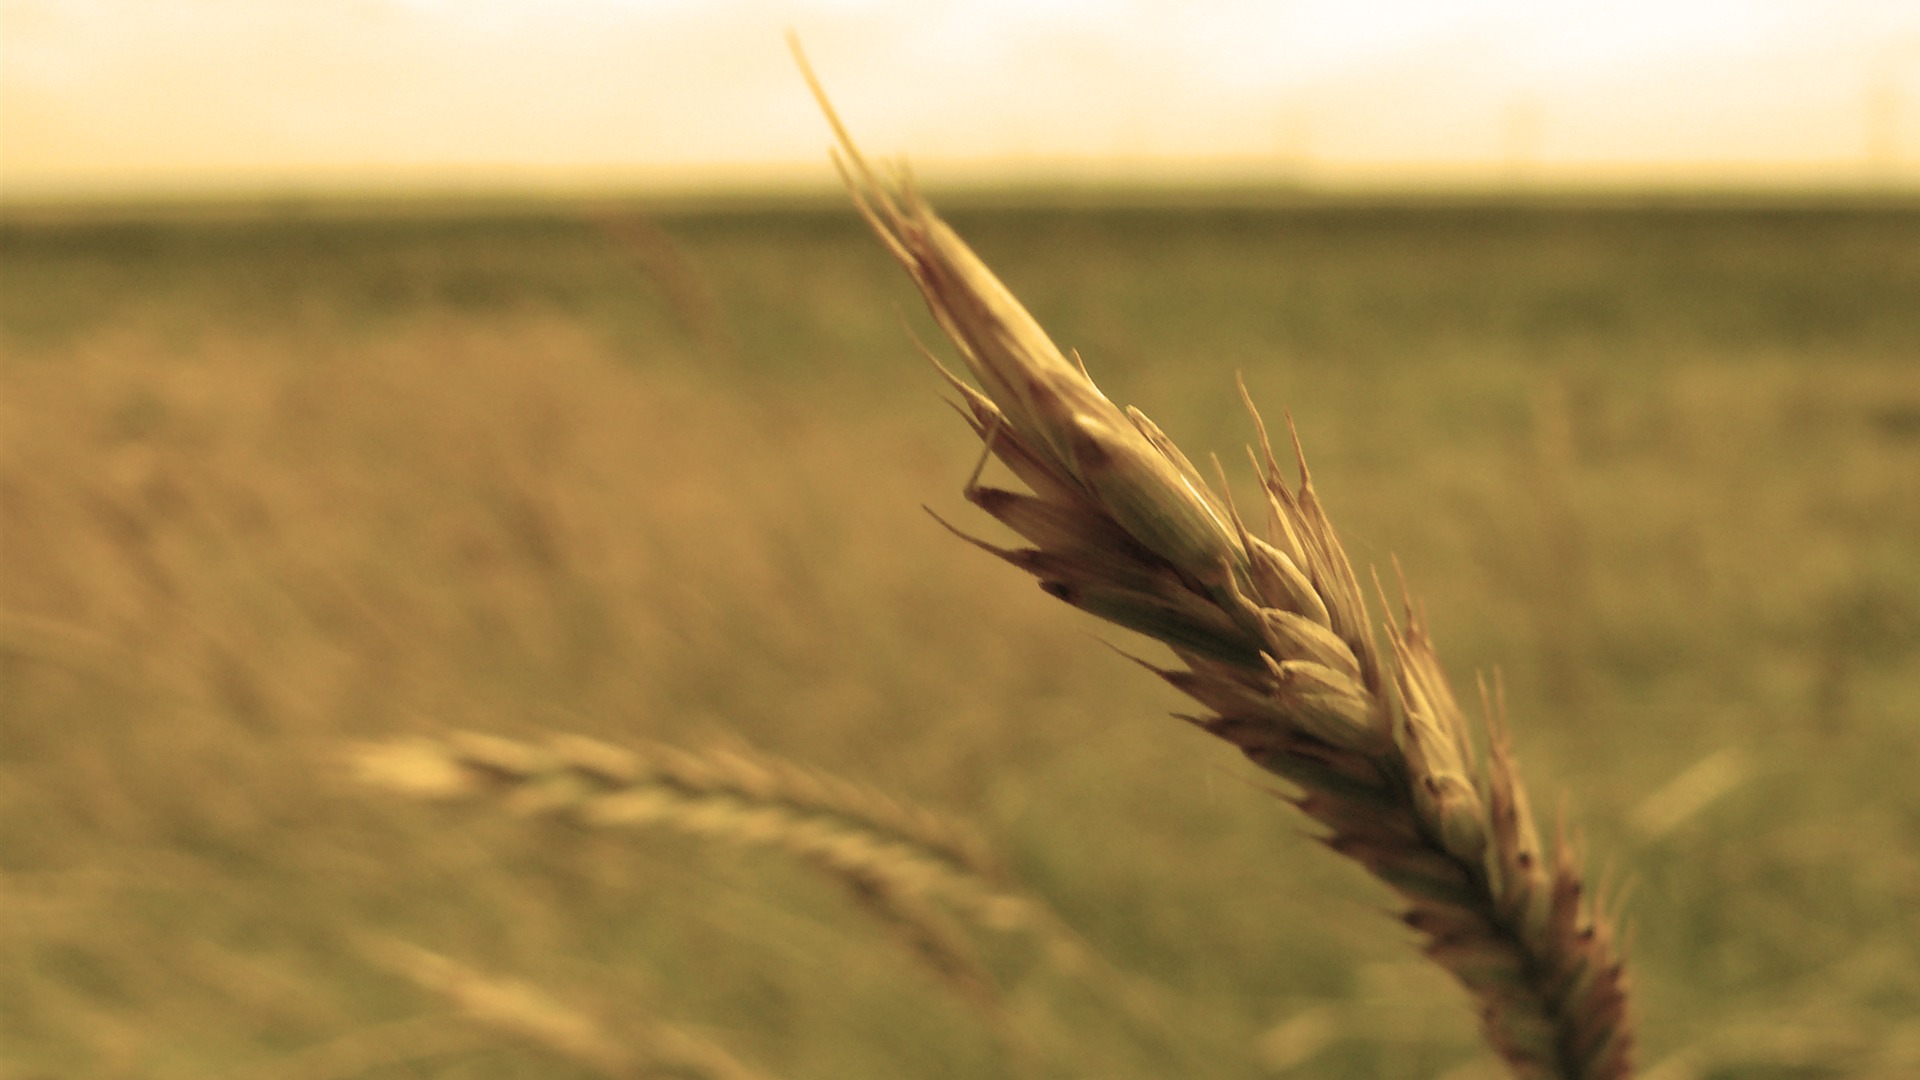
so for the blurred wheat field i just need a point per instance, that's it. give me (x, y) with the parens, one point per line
(273, 482)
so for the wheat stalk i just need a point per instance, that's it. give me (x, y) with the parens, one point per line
(1275, 641)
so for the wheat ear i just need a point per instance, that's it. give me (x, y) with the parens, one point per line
(902, 864)
(876, 845)
(1275, 640)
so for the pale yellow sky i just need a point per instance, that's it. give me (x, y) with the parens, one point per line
(142, 97)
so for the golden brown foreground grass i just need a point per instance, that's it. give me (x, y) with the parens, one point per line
(232, 544)
(226, 558)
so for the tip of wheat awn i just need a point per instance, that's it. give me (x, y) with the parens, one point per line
(1274, 637)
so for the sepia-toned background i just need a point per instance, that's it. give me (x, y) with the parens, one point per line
(380, 370)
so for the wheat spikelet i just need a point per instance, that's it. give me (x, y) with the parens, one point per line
(1276, 642)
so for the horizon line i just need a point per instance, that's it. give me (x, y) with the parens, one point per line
(971, 178)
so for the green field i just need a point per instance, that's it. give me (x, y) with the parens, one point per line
(274, 481)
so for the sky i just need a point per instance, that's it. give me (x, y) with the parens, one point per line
(157, 97)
